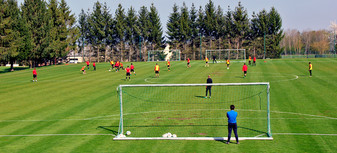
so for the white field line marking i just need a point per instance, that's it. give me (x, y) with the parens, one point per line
(260, 135)
(112, 119)
(319, 134)
(285, 59)
(107, 116)
(84, 119)
(44, 135)
(146, 80)
(296, 77)
(278, 76)
(333, 118)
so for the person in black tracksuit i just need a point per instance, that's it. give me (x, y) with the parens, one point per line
(214, 59)
(208, 88)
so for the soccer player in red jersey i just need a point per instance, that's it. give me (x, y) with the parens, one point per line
(34, 75)
(188, 62)
(132, 69)
(88, 63)
(117, 66)
(94, 65)
(254, 61)
(127, 73)
(244, 69)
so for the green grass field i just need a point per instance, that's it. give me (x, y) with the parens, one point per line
(66, 111)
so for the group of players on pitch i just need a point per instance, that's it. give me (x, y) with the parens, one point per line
(244, 67)
(129, 69)
(117, 66)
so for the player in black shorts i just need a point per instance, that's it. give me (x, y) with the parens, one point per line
(208, 88)
(127, 73)
(214, 59)
(156, 70)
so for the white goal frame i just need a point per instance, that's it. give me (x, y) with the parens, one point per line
(119, 136)
(227, 52)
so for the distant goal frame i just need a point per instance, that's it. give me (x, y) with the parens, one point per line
(227, 50)
(120, 130)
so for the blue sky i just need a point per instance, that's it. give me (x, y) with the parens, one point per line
(296, 14)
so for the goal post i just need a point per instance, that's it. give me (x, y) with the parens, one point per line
(163, 55)
(231, 54)
(150, 111)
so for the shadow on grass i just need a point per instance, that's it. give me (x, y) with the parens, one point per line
(224, 141)
(239, 77)
(6, 70)
(200, 97)
(108, 128)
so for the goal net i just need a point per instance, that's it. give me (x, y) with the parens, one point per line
(163, 55)
(222, 54)
(151, 111)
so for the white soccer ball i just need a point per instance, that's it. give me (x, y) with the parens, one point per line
(165, 135)
(128, 133)
(169, 135)
(109, 70)
(174, 135)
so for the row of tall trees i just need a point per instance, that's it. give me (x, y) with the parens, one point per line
(36, 32)
(308, 42)
(118, 36)
(232, 29)
(10, 37)
(41, 32)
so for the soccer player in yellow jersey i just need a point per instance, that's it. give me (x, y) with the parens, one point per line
(168, 65)
(250, 60)
(206, 59)
(83, 69)
(156, 70)
(310, 69)
(112, 64)
(227, 62)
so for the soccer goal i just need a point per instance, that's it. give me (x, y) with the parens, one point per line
(163, 55)
(223, 54)
(181, 112)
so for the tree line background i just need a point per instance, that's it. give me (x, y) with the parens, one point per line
(128, 35)
(36, 32)
(309, 42)
(40, 32)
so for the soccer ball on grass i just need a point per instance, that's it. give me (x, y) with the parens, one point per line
(128, 133)
(169, 135)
